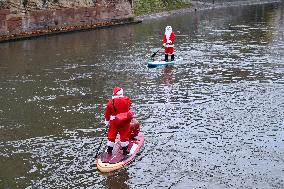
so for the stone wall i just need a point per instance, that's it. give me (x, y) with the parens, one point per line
(17, 20)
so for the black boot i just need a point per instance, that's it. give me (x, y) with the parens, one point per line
(109, 149)
(166, 57)
(172, 57)
(125, 150)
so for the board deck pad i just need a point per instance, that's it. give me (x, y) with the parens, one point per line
(116, 155)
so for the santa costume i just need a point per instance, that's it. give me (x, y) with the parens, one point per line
(168, 42)
(116, 106)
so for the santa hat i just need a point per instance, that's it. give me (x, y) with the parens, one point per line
(117, 91)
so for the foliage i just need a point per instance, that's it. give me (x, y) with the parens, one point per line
(25, 2)
(142, 7)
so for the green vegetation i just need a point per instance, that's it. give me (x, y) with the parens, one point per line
(25, 2)
(142, 7)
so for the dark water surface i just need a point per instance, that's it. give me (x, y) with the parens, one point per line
(216, 120)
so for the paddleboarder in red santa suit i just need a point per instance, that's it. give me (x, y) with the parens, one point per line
(118, 105)
(168, 43)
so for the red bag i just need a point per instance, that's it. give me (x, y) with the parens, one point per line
(124, 118)
(134, 129)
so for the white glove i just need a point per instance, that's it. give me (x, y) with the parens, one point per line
(106, 123)
(169, 41)
(164, 44)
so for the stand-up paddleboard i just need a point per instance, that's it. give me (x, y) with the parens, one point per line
(155, 63)
(116, 160)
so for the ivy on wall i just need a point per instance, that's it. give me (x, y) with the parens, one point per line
(25, 2)
(151, 6)
(140, 7)
(45, 2)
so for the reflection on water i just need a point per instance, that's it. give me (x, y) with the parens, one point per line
(168, 75)
(214, 120)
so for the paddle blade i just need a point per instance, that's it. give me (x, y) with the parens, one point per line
(154, 54)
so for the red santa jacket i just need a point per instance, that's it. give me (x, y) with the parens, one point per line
(172, 38)
(116, 106)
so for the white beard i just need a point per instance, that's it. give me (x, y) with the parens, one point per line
(168, 34)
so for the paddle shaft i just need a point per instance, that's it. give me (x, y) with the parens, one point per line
(154, 54)
(100, 145)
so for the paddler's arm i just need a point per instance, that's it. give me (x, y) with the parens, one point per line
(107, 113)
(129, 102)
(164, 40)
(172, 38)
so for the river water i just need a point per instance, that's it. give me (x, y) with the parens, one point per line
(215, 120)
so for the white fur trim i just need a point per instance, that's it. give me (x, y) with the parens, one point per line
(117, 96)
(120, 92)
(169, 45)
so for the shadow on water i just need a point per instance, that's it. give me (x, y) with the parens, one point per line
(213, 121)
(116, 180)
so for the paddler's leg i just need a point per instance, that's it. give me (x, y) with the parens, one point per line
(111, 135)
(166, 57)
(125, 150)
(110, 148)
(171, 52)
(167, 54)
(124, 137)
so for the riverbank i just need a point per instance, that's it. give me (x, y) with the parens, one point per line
(67, 29)
(199, 6)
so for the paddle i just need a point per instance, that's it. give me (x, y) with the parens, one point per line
(100, 145)
(154, 54)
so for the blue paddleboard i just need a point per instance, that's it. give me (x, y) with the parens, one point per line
(155, 63)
